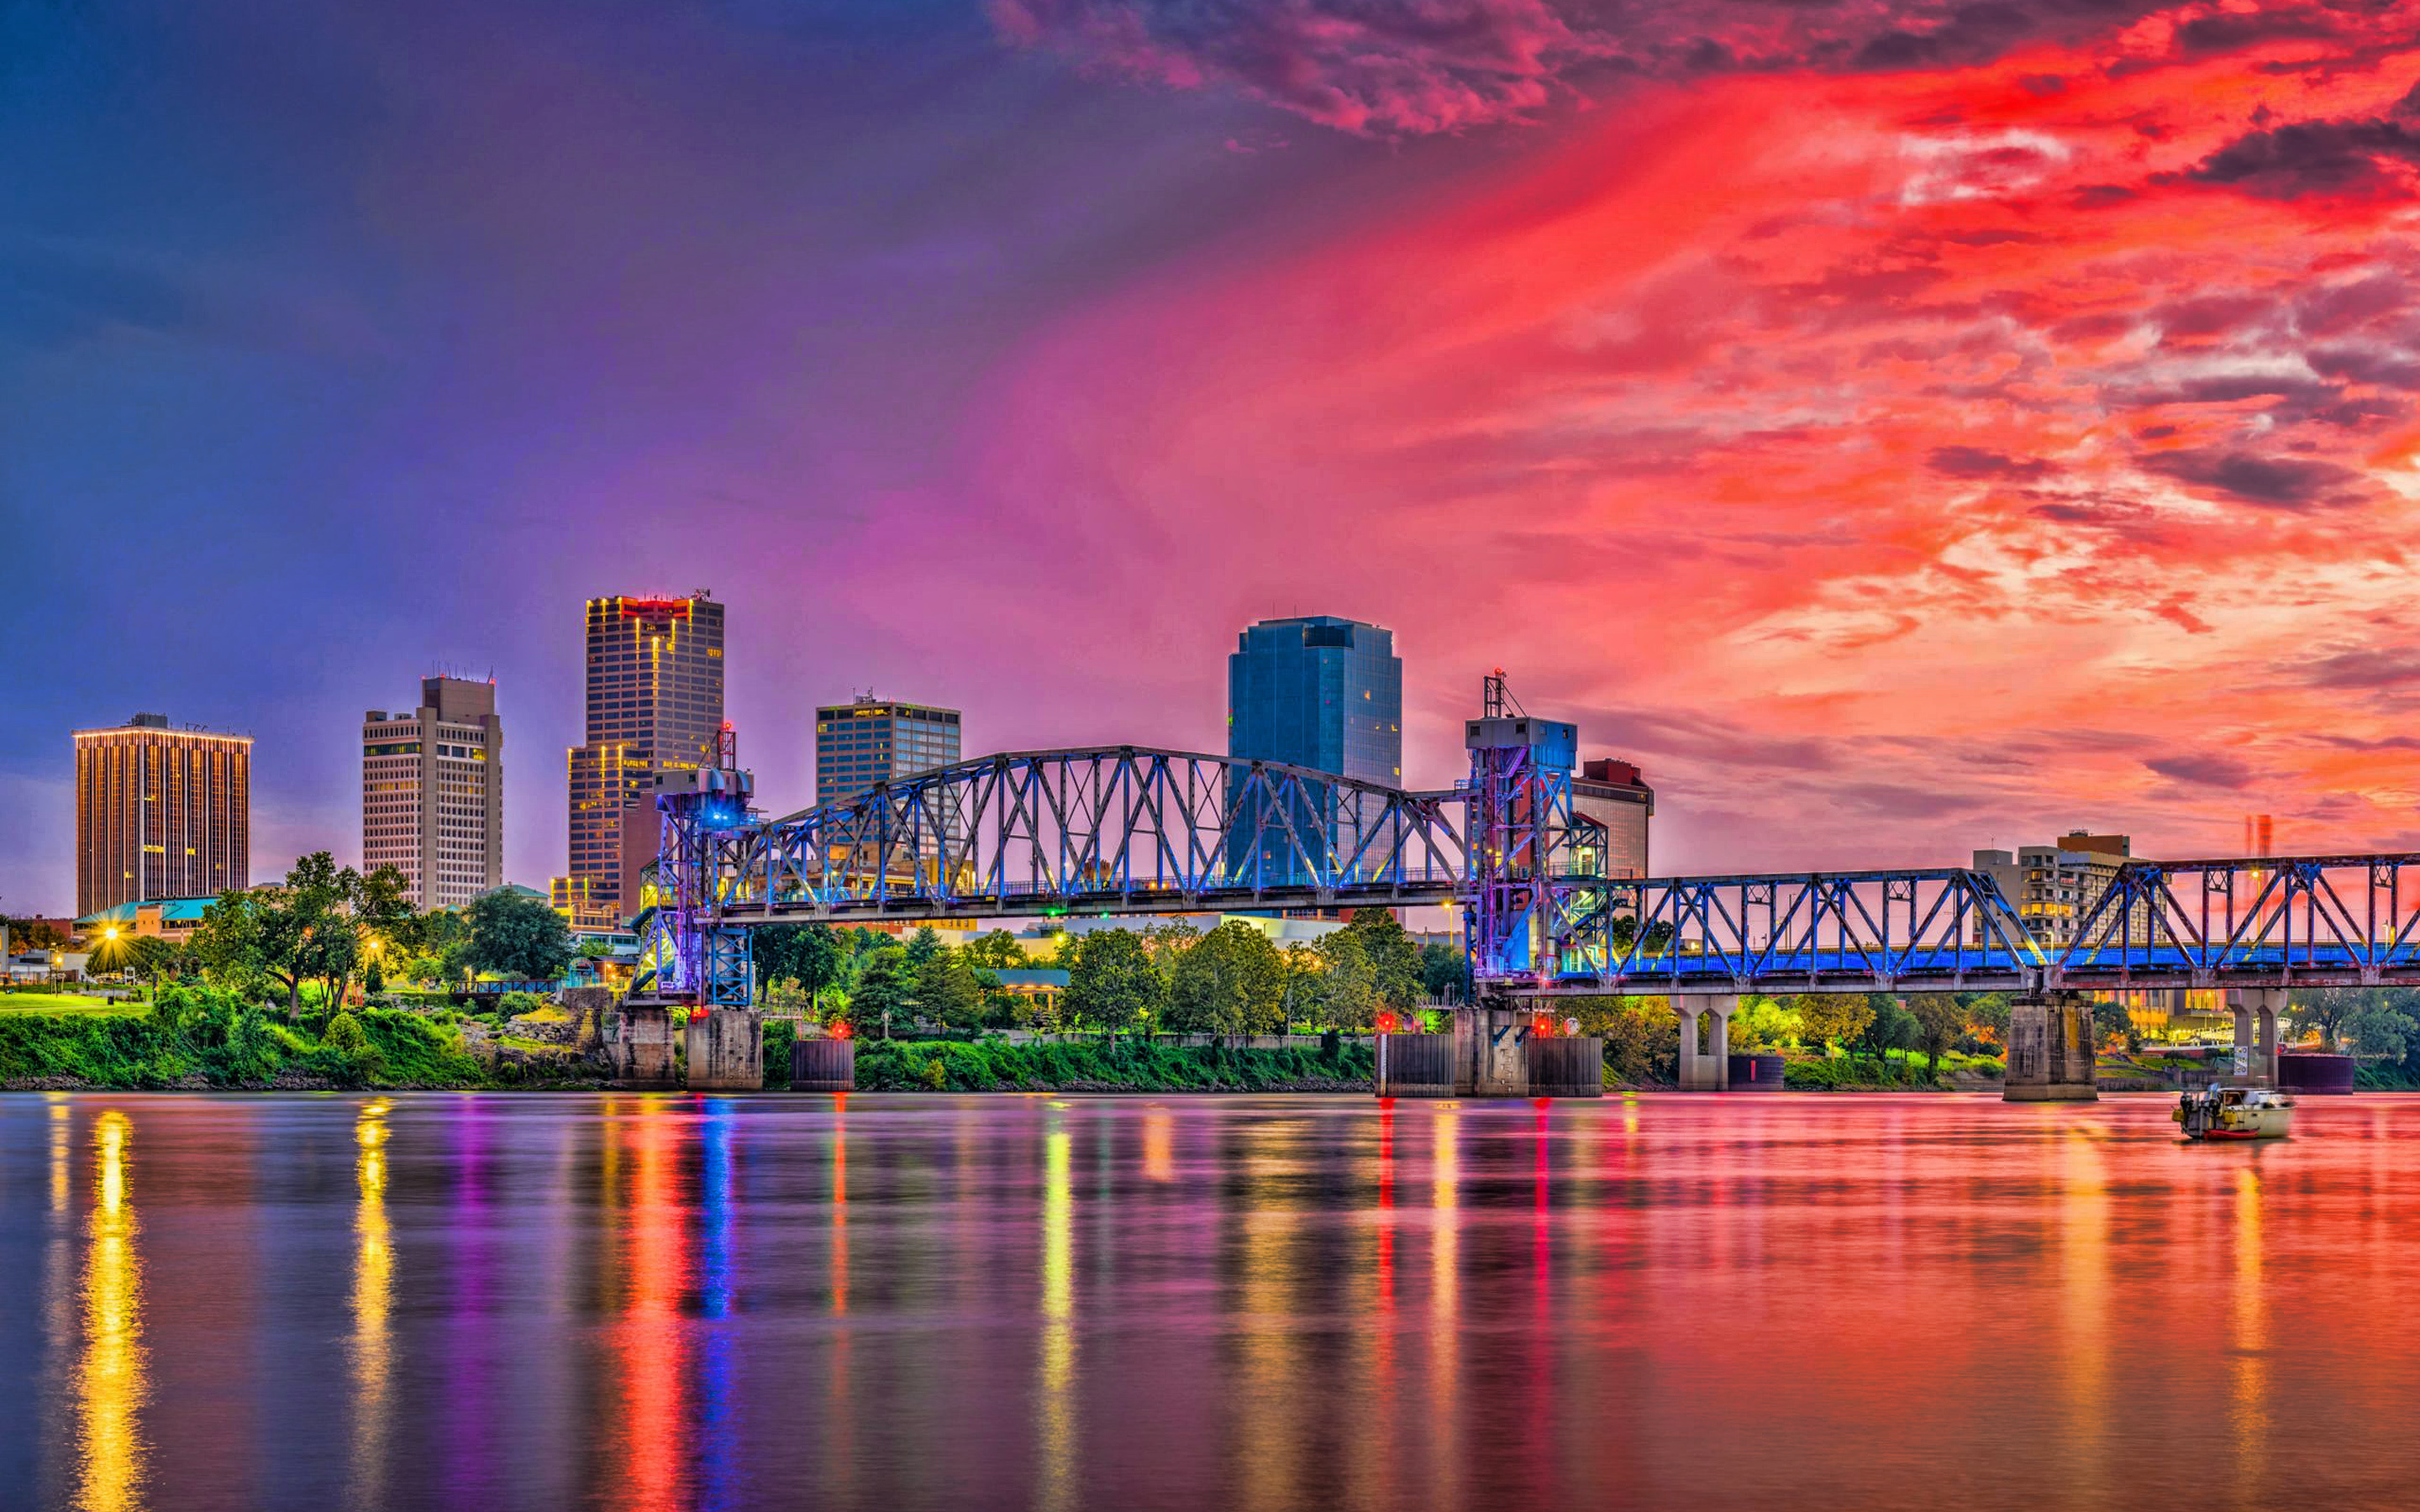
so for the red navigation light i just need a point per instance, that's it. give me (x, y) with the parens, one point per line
(843, 1031)
(696, 1014)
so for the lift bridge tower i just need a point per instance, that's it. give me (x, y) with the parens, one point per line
(1528, 912)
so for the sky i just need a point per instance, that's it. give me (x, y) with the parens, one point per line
(1900, 428)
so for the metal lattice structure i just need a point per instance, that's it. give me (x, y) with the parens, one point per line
(1121, 829)
(1129, 829)
(2307, 920)
(1907, 931)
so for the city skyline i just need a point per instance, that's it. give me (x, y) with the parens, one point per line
(1904, 433)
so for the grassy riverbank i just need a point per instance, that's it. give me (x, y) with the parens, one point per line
(196, 1039)
(1120, 1066)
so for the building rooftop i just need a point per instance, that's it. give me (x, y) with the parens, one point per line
(172, 911)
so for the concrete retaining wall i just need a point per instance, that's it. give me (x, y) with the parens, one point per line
(1756, 1073)
(1566, 1066)
(642, 1052)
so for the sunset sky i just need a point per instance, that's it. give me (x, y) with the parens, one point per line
(1898, 427)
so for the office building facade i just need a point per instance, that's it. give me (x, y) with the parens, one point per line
(433, 793)
(1320, 692)
(654, 704)
(871, 741)
(161, 812)
(1614, 795)
(2053, 888)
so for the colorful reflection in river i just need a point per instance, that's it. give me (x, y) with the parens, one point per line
(673, 1303)
(111, 1380)
(373, 1346)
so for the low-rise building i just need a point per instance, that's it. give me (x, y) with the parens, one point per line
(2054, 887)
(1614, 795)
(173, 919)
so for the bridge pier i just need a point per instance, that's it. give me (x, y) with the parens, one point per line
(726, 1050)
(1491, 1057)
(1708, 1070)
(2049, 1050)
(2255, 1031)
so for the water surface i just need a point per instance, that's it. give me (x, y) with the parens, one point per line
(666, 1301)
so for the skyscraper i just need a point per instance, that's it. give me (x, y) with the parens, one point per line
(655, 704)
(1315, 691)
(433, 793)
(860, 745)
(161, 812)
(1320, 692)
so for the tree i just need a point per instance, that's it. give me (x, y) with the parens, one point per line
(2378, 1028)
(1763, 1022)
(154, 959)
(1939, 1021)
(1113, 984)
(951, 992)
(1829, 1018)
(35, 934)
(2329, 1010)
(1394, 956)
(1888, 1027)
(2112, 1022)
(1445, 972)
(1166, 944)
(516, 935)
(996, 948)
(1303, 968)
(1348, 985)
(886, 989)
(284, 932)
(1232, 982)
(811, 955)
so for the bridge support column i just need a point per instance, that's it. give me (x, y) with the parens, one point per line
(1491, 1055)
(726, 1051)
(2255, 1032)
(1709, 1070)
(2050, 1051)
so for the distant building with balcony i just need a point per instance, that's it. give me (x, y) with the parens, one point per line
(2054, 887)
(1614, 795)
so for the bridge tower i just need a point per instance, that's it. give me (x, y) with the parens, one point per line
(705, 972)
(1518, 844)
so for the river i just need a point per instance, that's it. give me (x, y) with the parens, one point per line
(663, 1302)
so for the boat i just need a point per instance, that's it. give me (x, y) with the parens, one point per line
(2235, 1113)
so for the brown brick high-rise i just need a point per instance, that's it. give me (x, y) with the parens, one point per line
(161, 812)
(655, 704)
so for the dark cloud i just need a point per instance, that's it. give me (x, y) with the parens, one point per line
(1400, 67)
(2271, 482)
(2352, 159)
(1973, 462)
(2225, 31)
(2387, 369)
(2361, 666)
(2206, 769)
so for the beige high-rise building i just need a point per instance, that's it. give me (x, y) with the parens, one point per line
(655, 704)
(161, 812)
(433, 793)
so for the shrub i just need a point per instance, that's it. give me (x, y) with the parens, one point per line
(345, 1034)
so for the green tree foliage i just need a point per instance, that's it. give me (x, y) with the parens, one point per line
(1828, 1019)
(35, 934)
(1445, 972)
(1166, 944)
(516, 937)
(1231, 982)
(1764, 1023)
(811, 955)
(2379, 1027)
(154, 959)
(886, 989)
(1113, 984)
(951, 994)
(1888, 1027)
(2329, 1010)
(1940, 1019)
(1394, 956)
(1348, 984)
(286, 933)
(997, 950)
(2111, 1021)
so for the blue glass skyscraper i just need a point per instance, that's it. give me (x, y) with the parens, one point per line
(1313, 691)
(1320, 692)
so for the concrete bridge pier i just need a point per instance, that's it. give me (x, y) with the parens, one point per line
(1708, 1070)
(1491, 1055)
(2255, 1031)
(726, 1050)
(2049, 1050)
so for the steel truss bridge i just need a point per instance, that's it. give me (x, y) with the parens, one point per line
(1131, 830)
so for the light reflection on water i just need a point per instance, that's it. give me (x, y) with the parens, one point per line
(668, 1302)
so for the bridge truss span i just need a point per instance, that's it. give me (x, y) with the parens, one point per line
(1119, 829)
(1916, 929)
(2346, 920)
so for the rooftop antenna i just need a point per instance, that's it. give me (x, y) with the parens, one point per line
(1495, 698)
